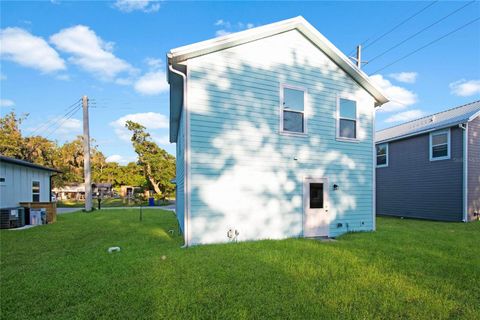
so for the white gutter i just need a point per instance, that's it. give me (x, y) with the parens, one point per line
(465, 170)
(186, 211)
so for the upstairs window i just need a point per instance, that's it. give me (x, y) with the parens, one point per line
(347, 119)
(35, 191)
(440, 145)
(293, 109)
(382, 155)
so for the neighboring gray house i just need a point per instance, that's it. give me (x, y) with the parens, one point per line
(22, 181)
(429, 168)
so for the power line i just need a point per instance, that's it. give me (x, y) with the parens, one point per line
(428, 44)
(65, 118)
(400, 24)
(49, 123)
(419, 32)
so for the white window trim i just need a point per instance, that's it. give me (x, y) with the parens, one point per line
(338, 120)
(304, 112)
(387, 155)
(449, 144)
(39, 190)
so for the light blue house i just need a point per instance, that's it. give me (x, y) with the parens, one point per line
(274, 129)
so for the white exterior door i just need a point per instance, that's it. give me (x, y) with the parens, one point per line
(316, 217)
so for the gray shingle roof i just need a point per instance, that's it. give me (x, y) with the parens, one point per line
(435, 121)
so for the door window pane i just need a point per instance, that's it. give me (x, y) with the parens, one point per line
(293, 121)
(316, 195)
(293, 99)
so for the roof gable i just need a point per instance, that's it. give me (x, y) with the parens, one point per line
(299, 23)
(444, 119)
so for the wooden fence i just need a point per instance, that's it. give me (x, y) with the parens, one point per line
(51, 208)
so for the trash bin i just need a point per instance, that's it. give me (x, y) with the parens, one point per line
(151, 202)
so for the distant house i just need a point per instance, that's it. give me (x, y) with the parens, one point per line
(430, 168)
(76, 191)
(24, 182)
(274, 134)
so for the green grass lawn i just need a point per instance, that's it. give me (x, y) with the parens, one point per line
(407, 269)
(111, 202)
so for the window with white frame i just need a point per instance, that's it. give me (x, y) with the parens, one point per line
(440, 145)
(293, 109)
(382, 155)
(35, 191)
(347, 119)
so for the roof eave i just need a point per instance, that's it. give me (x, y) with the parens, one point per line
(205, 47)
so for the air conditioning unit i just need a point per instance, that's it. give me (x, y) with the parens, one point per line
(12, 217)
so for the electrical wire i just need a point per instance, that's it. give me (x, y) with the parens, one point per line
(400, 24)
(419, 32)
(427, 45)
(44, 126)
(71, 114)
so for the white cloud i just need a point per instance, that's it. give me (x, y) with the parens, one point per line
(134, 5)
(227, 27)
(400, 98)
(150, 120)
(6, 103)
(464, 88)
(90, 52)
(120, 159)
(152, 83)
(3, 76)
(154, 63)
(161, 140)
(407, 77)
(405, 116)
(20, 46)
(70, 126)
(221, 33)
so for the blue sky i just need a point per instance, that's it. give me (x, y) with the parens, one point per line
(114, 52)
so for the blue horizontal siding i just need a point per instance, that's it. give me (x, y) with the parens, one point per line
(243, 172)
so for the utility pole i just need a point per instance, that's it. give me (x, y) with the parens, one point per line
(358, 58)
(86, 156)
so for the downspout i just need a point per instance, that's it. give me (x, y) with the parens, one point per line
(464, 127)
(186, 215)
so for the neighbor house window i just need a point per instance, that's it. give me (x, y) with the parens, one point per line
(347, 119)
(382, 155)
(35, 191)
(440, 145)
(292, 109)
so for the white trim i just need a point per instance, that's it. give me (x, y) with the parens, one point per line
(449, 145)
(465, 173)
(474, 116)
(326, 200)
(374, 175)
(337, 115)
(304, 112)
(299, 23)
(187, 156)
(39, 191)
(386, 154)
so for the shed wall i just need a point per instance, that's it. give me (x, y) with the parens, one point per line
(18, 184)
